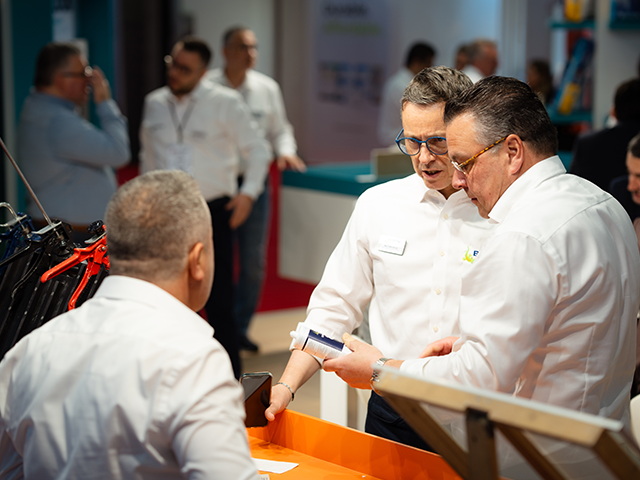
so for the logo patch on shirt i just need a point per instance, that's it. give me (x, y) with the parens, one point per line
(470, 255)
(391, 245)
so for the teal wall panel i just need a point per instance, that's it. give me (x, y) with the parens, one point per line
(31, 29)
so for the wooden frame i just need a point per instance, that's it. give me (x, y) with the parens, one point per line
(515, 418)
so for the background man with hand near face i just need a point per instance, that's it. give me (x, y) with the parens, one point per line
(69, 162)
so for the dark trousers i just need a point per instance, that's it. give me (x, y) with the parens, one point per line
(219, 307)
(383, 421)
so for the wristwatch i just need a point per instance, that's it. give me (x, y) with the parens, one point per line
(374, 376)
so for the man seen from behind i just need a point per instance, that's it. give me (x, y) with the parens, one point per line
(131, 384)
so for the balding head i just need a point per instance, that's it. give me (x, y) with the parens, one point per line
(153, 222)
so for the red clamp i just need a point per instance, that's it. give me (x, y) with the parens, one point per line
(95, 255)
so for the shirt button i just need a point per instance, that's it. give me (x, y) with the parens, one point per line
(438, 291)
(441, 253)
(435, 328)
(445, 216)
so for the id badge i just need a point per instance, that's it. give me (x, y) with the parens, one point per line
(179, 157)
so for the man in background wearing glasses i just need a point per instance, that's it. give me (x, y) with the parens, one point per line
(202, 128)
(401, 257)
(264, 98)
(68, 161)
(548, 310)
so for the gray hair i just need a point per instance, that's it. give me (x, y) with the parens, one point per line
(435, 85)
(52, 58)
(152, 223)
(502, 106)
(634, 146)
(476, 49)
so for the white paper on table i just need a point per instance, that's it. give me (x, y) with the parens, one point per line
(273, 466)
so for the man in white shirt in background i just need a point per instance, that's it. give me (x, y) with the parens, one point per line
(483, 59)
(202, 128)
(402, 254)
(420, 56)
(131, 384)
(548, 309)
(264, 98)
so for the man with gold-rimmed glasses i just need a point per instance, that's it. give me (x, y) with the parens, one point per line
(548, 309)
(401, 257)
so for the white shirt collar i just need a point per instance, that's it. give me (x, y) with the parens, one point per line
(423, 193)
(541, 171)
(140, 291)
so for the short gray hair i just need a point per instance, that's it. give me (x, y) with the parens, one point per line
(152, 223)
(435, 85)
(476, 49)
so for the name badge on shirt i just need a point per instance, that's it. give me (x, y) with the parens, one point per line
(179, 157)
(391, 245)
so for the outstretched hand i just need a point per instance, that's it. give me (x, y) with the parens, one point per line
(444, 346)
(292, 161)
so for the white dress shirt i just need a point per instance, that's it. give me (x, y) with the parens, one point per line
(548, 310)
(217, 127)
(129, 385)
(473, 73)
(403, 251)
(263, 97)
(390, 120)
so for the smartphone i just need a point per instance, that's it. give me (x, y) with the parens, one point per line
(257, 396)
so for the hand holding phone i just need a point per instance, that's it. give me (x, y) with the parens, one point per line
(257, 396)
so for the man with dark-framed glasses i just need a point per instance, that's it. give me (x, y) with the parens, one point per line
(548, 310)
(69, 161)
(203, 128)
(401, 258)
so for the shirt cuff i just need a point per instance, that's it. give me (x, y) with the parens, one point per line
(251, 191)
(415, 366)
(286, 152)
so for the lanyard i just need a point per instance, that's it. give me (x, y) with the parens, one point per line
(180, 125)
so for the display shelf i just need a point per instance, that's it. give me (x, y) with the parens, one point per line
(624, 24)
(626, 18)
(563, 24)
(575, 117)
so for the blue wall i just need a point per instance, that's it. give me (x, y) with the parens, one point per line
(32, 28)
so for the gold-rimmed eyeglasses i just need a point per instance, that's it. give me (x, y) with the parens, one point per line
(462, 167)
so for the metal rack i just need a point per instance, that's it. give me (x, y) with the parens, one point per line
(42, 272)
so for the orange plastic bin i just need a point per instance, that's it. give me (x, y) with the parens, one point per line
(325, 450)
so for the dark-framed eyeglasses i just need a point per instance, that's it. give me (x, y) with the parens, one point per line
(172, 64)
(246, 47)
(411, 146)
(87, 72)
(462, 167)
